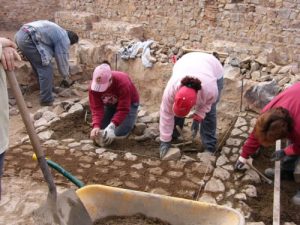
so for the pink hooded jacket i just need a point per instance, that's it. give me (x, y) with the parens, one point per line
(199, 65)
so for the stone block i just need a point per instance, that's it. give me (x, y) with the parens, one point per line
(119, 30)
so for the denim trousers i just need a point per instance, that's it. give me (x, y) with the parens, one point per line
(209, 124)
(44, 73)
(1, 168)
(127, 125)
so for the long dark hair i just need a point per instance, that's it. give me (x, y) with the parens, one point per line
(191, 83)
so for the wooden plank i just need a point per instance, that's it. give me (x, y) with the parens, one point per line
(276, 199)
(221, 54)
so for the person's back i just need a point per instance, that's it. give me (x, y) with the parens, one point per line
(39, 42)
(198, 64)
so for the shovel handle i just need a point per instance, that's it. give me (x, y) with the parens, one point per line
(269, 181)
(34, 139)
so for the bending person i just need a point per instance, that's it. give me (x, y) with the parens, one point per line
(40, 41)
(196, 82)
(279, 119)
(114, 102)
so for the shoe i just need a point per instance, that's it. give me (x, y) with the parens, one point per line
(296, 198)
(285, 175)
(269, 173)
(47, 103)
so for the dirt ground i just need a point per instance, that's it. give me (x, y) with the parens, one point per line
(79, 129)
(130, 220)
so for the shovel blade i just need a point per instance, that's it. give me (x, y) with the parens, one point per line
(67, 210)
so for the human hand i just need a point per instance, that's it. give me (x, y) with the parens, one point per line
(164, 148)
(95, 132)
(7, 43)
(109, 134)
(8, 57)
(240, 163)
(278, 155)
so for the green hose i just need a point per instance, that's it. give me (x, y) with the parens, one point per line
(65, 173)
(62, 171)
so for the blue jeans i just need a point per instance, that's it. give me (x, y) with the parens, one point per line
(1, 168)
(209, 124)
(126, 126)
(44, 73)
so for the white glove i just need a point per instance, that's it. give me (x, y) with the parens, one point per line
(109, 134)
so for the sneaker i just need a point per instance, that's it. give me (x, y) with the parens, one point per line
(285, 175)
(47, 103)
(296, 198)
(269, 173)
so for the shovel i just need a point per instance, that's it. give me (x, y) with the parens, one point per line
(64, 209)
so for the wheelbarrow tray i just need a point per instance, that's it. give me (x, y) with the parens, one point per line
(102, 201)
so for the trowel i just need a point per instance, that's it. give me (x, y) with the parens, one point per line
(63, 209)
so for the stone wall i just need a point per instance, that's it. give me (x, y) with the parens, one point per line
(14, 13)
(268, 27)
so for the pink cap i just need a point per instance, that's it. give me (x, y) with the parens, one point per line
(101, 78)
(185, 99)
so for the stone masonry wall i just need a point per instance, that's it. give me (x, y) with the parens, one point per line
(268, 27)
(13, 13)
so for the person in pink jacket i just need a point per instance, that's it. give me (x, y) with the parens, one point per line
(279, 119)
(196, 82)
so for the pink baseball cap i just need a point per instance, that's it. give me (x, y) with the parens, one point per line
(185, 99)
(101, 78)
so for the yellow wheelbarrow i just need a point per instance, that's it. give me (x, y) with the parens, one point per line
(102, 201)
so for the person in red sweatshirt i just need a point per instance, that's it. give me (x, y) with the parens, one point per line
(114, 103)
(279, 119)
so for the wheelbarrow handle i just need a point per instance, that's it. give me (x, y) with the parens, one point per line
(34, 139)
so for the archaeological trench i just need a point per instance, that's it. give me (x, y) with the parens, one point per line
(258, 42)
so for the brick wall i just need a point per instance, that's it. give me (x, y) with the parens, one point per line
(269, 27)
(13, 13)
(242, 26)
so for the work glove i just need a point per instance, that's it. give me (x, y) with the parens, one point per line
(164, 148)
(240, 163)
(109, 134)
(278, 155)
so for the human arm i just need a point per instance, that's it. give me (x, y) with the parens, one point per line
(61, 54)
(97, 108)
(206, 97)
(250, 147)
(166, 119)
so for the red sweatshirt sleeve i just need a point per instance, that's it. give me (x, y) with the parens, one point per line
(96, 107)
(123, 107)
(250, 146)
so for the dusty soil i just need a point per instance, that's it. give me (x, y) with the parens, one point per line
(263, 205)
(78, 128)
(130, 220)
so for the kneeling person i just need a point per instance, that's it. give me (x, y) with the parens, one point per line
(114, 102)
